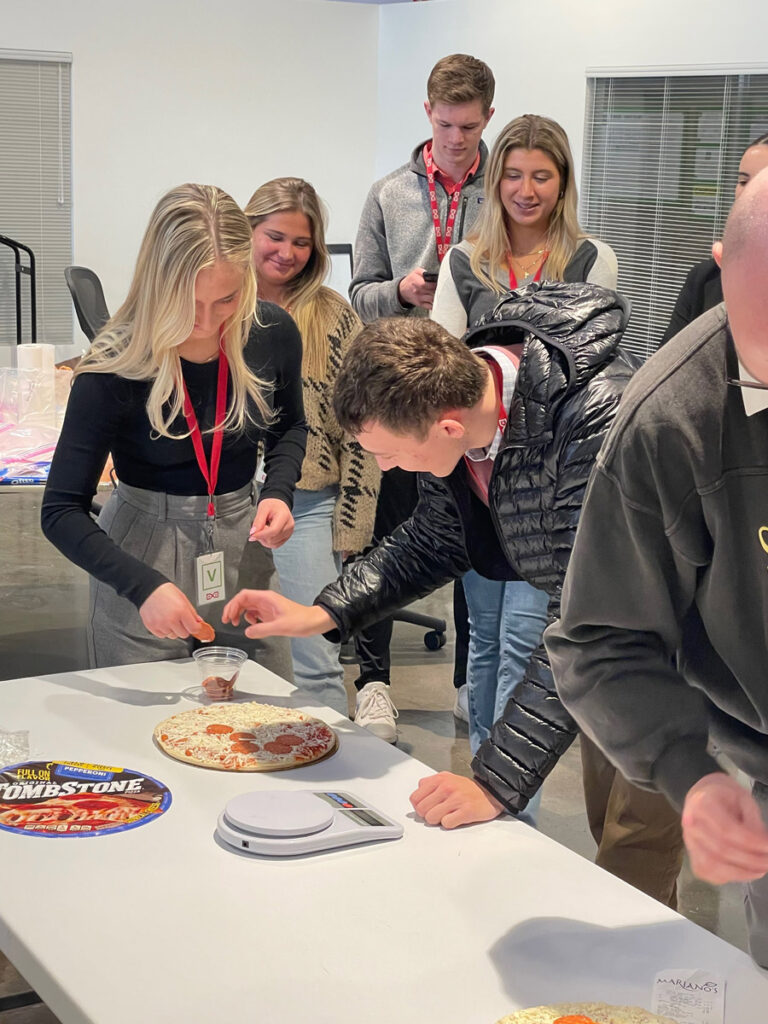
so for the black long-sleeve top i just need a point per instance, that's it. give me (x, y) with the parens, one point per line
(106, 414)
(701, 291)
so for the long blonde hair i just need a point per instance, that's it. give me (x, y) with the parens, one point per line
(490, 235)
(309, 302)
(191, 228)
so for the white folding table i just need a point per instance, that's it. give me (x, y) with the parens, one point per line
(162, 923)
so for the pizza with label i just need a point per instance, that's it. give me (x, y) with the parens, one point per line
(584, 1013)
(246, 737)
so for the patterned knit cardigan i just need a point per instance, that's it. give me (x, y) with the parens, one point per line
(333, 457)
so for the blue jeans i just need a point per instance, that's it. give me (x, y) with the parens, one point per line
(306, 563)
(506, 620)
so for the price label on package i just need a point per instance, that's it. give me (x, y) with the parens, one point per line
(689, 996)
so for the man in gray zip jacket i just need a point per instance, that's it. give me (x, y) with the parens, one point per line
(409, 220)
(397, 240)
(661, 643)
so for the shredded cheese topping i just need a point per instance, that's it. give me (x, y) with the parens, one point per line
(241, 736)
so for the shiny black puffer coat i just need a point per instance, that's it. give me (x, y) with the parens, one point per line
(571, 376)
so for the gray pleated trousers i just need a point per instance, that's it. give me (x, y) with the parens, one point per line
(168, 532)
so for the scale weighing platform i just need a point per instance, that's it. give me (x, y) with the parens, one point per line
(279, 824)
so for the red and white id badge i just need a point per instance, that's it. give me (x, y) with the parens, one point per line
(209, 570)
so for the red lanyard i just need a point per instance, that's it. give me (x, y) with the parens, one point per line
(443, 240)
(536, 276)
(498, 376)
(210, 476)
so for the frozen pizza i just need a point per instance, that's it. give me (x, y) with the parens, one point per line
(58, 799)
(584, 1013)
(246, 737)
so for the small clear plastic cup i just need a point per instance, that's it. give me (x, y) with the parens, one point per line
(219, 668)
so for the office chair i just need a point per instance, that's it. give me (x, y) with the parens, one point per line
(435, 638)
(88, 298)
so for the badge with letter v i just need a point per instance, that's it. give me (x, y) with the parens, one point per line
(210, 577)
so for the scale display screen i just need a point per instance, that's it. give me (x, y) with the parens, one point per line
(364, 817)
(338, 799)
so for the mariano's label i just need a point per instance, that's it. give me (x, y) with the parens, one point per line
(59, 799)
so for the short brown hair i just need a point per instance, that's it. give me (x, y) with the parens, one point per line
(460, 78)
(403, 373)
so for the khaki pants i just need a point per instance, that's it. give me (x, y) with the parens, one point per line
(756, 896)
(638, 833)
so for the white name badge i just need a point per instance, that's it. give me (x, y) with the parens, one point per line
(210, 577)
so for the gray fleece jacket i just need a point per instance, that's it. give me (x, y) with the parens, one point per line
(396, 234)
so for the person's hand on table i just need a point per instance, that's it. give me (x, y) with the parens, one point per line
(413, 290)
(273, 524)
(724, 832)
(168, 614)
(451, 800)
(271, 614)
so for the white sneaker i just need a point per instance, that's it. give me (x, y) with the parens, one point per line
(461, 704)
(375, 711)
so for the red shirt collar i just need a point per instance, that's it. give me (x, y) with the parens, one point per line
(449, 184)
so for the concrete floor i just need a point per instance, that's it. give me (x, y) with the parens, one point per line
(42, 630)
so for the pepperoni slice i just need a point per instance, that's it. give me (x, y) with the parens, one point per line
(204, 632)
(276, 747)
(290, 739)
(577, 1018)
(244, 748)
(216, 729)
(245, 737)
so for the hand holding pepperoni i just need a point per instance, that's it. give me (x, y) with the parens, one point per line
(168, 614)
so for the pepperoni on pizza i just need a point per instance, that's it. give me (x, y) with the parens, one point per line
(246, 737)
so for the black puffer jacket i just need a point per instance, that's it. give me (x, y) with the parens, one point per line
(571, 377)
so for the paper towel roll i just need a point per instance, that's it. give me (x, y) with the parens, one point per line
(37, 374)
(36, 357)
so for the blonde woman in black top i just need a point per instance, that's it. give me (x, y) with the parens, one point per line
(180, 387)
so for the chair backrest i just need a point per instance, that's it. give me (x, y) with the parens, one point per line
(88, 298)
(341, 267)
(342, 249)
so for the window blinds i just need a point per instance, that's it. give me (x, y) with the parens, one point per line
(661, 155)
(36, 192)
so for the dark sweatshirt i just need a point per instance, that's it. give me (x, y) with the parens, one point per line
(663, 635)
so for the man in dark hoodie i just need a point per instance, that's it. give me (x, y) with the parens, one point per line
(662, 641)
(503, 429)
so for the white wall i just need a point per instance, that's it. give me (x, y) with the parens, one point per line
(539, 52)
(231, 93)
(240, 91)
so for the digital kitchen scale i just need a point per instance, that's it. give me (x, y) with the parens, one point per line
(286, 824)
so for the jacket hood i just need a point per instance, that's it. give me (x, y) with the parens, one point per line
(570, 332)
(416, 162)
